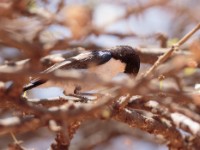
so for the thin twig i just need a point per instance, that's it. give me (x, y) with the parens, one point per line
(165, 56)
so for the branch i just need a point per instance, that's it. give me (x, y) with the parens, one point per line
(175, 47)
(152, 126)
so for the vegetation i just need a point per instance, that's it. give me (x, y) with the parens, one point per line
(45, 43)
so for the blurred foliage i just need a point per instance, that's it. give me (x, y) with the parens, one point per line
(93, 107)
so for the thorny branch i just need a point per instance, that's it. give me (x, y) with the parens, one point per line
(174, 48)
(163, 110)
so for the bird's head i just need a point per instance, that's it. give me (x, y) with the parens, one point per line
(129, 56)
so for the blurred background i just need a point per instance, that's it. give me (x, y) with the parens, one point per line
(92, 24)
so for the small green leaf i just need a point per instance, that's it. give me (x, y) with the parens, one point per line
(189, 71)
(172, 41)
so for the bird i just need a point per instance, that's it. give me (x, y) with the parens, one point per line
(126, 54)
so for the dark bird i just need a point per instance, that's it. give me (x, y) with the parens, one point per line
(125, 54)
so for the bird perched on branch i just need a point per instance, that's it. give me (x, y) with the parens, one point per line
(125, 54)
